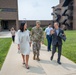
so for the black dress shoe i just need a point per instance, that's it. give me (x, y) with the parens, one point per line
(23, 63)
(59, 62)
(27, 68)
(48, 50)
(51, 58)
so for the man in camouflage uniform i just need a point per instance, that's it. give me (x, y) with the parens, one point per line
(36, 37)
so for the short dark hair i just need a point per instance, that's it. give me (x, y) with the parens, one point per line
(57, 23)
(22, 27)
(50, 24)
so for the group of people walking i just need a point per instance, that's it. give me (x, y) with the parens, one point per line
(24, 38)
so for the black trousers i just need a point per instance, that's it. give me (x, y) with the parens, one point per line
(54, 47)
(13, 38)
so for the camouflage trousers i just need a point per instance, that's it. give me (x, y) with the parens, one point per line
(36, 48)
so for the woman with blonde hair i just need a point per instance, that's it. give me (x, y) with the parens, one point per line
(13, 34)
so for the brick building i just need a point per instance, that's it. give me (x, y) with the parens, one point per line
(8, 14)
(32, 23)
(65, 13)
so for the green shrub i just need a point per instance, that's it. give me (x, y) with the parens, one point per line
(30, 28)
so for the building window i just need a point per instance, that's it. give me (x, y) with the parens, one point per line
(8, 10)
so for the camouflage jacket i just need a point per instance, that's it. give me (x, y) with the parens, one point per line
(36, 34)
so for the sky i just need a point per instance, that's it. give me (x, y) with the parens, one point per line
(36, 9)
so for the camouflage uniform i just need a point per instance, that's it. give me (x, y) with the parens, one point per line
(36, 37)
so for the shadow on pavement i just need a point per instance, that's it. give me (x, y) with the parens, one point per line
(54, 62)
(68, 66)
(37, 70)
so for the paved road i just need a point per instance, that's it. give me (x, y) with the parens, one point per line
(13, 64)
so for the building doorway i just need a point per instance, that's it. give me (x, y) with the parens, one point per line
(4, 24)
(8, 24)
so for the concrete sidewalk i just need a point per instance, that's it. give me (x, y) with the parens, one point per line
(5, 34)
(13, 64)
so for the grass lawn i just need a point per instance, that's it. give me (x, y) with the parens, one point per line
(4, 47)
(69, 47)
